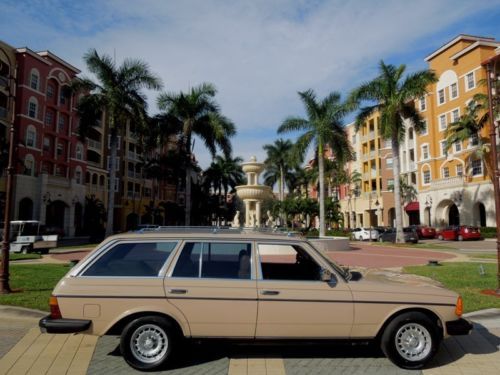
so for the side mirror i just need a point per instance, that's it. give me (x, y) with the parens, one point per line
(325, 275)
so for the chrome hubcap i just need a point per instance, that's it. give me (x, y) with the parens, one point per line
(413, 342)
(149, 343)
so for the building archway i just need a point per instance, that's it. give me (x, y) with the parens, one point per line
(391, 217)
(26, 209)
(453, 215)
(479, 214)
(55, 215)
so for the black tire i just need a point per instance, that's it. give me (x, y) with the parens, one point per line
(163, 339)
(44, 251)
(25, 250)
(415, 326)
(460, 237)
(380, 239)
(440, 237)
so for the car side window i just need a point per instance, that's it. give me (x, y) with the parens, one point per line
(132, 259)
(287, 262)
(219, 260)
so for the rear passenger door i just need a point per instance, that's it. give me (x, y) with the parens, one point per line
(213, 284)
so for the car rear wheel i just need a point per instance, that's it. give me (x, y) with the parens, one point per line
(440, 237)
(460, 237)
(410, 340)
(380, 239)
(146, 343)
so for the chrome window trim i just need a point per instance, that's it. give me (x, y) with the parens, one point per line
(80, 269)
(203, 241)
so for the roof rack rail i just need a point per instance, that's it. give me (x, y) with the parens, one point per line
(219, 229)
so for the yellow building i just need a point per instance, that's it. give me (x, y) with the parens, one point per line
(453, 185)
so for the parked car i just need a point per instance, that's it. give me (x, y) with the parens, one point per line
(424, 231)
(389, 235)
(156, 289)
(361, 234)
(28, 236)
(460, 233)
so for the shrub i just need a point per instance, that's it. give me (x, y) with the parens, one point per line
(489, 232)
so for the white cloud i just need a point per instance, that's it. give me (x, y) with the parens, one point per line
(257, 53)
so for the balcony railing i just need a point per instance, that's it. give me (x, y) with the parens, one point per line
(457, 181)
(96, 145)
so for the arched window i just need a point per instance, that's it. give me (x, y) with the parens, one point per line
(29, 165)
(79, 151)
(101, 180)
(31, 136)
(33, 107)
(94, 179)
(78, 175)
(34, 79)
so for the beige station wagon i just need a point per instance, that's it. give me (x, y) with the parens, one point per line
(158, 287)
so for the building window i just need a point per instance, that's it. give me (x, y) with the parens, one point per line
(32, 108)
(425, 128)
(62, 96)
(442, 122)
(441, 97)
(387, 143)
(49, 117)
(117, 163)
(425, 152)
(410, 134)
(60, 149)
(458, 146)
(50, 91)
(31, 136)
(61, 124)
(426, 176)
(390, 184)
(79, 152)
(444, 148)
(118, 141)
(46, 144)
(455, 115)
(454, 91)
(446, 172)
(78, 176)
(423, 104)
(470, 83)
(354, 156)
(388, 163)
(460, 170)
(34, 79)
(29, 165)
(474, 140)
(477, 167)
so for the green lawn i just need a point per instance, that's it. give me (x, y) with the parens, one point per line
(483, 256)
(465, 279)
(18, 256)
(76, 247)
(35, 284)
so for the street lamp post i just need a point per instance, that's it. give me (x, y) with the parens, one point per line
(4, 270)
(491, 74)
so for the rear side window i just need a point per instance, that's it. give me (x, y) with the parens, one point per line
(214, 260)
(132, 259)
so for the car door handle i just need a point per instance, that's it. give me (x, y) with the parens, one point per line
(177, 291)
(269, 292)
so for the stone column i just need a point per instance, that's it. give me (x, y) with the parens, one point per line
(70, 225)
(247, 213)
(258, 213)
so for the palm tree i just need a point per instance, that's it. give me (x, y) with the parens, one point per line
(322, 127)
(118, 94)
(467, 128)
(279, 161)
(197, 113)
(394, 99)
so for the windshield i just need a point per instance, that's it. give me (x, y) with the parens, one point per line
(343, 272)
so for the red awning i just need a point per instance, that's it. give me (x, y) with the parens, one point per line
(412, 206)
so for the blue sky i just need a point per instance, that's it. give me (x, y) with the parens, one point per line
(258, 53)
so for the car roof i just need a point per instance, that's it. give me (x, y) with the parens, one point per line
(207, 232)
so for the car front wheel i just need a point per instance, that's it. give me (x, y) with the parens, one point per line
(440, 237)
(460, 237)
(146, 343)
(410, 340)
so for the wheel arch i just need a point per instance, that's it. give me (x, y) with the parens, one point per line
(431, 314)
(117, 327)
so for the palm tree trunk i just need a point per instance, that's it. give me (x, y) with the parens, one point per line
(281, 183)
(397, 190)
(112, 176)
(321, 191)
(187, 214)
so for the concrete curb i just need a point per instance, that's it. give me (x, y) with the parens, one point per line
(7, 311)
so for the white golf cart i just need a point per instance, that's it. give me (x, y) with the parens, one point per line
(25, 237)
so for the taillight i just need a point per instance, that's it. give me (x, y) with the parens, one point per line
(466, 230)
(55, 313)
(459, 307)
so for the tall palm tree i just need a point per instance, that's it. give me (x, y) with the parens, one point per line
(279, 159)
(468, 127)
(118, 93)
(322, 127)
(232, 172)
(197, 113)
(394, 98)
